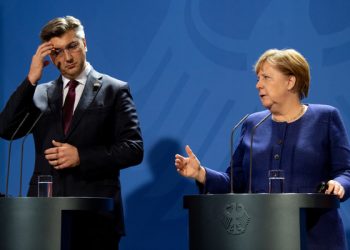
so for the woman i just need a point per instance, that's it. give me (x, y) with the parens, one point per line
(307, 141)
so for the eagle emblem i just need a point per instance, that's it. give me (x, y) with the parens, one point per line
(235, 218)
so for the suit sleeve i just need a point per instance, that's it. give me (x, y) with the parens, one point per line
(19, 104)
(126, 146)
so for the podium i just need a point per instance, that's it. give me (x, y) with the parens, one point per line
(251, 221)
(32, 223)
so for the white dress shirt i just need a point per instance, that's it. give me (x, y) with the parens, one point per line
(82, 78)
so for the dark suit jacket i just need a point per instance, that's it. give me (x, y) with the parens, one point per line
(105, 129)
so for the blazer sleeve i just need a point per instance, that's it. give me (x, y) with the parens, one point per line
(219, 182)
(340, 152)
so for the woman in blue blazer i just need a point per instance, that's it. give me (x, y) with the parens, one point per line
(307, 141)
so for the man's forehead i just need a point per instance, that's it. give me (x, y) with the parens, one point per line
(65, 39)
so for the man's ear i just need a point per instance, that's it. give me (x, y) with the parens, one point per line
(84, 42)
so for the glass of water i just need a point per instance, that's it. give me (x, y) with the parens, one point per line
(44, 186)
(276, 181)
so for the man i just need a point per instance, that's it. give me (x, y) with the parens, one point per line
(87, 133)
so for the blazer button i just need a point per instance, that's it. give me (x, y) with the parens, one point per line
(279, 142)
(277, 157)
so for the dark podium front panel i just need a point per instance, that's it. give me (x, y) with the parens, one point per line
(36, 223)
(251, 221)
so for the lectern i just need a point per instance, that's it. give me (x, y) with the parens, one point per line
(251, 221)
(30, 223)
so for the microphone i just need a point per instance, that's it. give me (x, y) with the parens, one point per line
(231, 148)
(322, 187)
(22, 151)
(251, 150)
(9, 152)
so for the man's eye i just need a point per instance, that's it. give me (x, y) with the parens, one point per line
(73, 46)
(55, 52)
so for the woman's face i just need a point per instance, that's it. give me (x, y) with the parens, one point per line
(273, 86)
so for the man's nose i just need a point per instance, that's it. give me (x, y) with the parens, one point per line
(67, 55)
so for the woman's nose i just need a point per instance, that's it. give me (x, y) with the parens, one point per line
(258, 84)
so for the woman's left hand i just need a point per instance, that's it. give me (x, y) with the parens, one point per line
(335, 188)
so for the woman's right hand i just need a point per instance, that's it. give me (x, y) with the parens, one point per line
(190, 166)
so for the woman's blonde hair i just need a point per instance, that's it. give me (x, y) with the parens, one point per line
(290, 63)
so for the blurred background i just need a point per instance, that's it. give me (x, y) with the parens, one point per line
(189, 67)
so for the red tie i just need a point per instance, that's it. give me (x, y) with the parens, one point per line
(68, 106)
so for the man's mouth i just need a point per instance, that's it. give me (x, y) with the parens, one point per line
(70, 66)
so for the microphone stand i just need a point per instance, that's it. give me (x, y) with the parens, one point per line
(22, 151)
(251, 151)
(9, 152)
(231, 148)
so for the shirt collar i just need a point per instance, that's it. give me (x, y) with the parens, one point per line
(82, 78)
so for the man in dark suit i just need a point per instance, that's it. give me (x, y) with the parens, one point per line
(87, 133)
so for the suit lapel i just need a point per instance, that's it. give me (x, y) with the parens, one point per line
(92, 86)
(54, 94)
(55, 99)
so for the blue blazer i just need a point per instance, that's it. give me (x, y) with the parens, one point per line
(313, 149)
(104, 128)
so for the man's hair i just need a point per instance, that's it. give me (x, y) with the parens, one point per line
(59, 26)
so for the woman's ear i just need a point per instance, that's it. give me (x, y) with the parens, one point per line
(291, 82)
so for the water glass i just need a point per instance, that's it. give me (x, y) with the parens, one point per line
(276, 181)
(44, 186)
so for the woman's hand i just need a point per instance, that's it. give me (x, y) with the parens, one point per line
(190, 166)
(336, 188)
